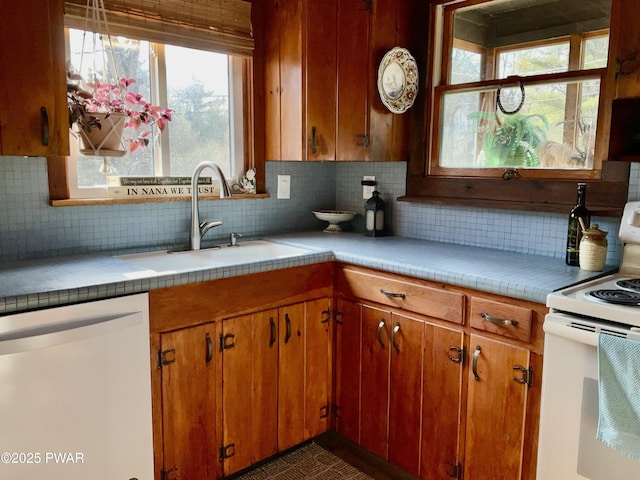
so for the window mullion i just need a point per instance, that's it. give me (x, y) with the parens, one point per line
(158, 70)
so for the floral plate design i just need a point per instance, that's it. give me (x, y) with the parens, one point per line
(398, 80)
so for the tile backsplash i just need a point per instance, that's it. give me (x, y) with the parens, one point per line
(30, 228)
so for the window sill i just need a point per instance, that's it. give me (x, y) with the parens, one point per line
(563, 208)
(605, 197)
(76, 202)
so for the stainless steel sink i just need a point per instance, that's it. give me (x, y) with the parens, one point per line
(246, 252)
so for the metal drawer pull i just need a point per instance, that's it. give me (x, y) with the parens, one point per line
(396, 329)
(272, 339)
(392, 294)
(476, 356)
(498, 321)
(380, 327)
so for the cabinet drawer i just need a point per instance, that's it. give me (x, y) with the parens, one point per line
(430, 301)
(495, 317)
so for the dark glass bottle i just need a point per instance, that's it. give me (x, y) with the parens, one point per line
(574, 231)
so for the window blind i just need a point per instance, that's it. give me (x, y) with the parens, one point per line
(217, 25)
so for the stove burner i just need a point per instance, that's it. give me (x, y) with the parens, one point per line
(618, 297)
(629, 284)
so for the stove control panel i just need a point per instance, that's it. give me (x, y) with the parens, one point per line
(630, 224)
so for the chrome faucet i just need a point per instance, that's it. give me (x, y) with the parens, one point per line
(198, 229)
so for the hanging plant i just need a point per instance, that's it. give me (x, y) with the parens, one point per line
(513, 140)
(100, 106)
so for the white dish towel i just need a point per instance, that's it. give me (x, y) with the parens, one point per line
(619, 394)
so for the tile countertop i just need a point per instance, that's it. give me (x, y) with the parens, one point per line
(518, 275)
(33, 284)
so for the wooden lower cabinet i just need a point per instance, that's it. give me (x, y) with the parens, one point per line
(379, 382)
(191, 403)
(239, 390)
(442, 394)
(348, 355)
(250, 388)
(446, 395)
(496, 409)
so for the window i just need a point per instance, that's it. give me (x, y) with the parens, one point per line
(203, 88)
(517, 86)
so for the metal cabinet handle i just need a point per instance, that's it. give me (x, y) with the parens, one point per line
(313, 140)
(392, 294)
(396, 329)
(209, 343)
(45, 126)
(327, 316)
(476, 356)
(272, 339)
(498, 321)
(287, 335)
(380, 327)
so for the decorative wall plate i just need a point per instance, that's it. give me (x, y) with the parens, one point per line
(398, 80)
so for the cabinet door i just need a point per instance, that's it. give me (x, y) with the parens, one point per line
(348, 345)
(264, 380)
(496, 410)
(318, 372)
(320, 80)
(191, 402)
(442, 399)
(374, 378)
(249, 366)
(291, 392)
(353, 80)
(405, 388)
(625, 47)
(33, 86)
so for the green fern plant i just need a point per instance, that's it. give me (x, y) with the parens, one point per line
(512, 141)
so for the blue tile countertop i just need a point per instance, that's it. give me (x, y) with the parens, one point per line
(517, 275)
(33, 284)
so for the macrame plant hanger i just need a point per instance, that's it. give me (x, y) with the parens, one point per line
(111, 125)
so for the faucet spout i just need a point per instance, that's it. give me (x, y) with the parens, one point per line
(198, 229)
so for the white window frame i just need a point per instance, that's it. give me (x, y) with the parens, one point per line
(162, 159)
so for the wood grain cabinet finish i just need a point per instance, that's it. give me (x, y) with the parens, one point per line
(625, 48)
(389, 400)
(497, 407)
(231, 390)
(191, 403)
(33, 110)
(460, 404)
(321, 100)
(503, 319)
(402, 293)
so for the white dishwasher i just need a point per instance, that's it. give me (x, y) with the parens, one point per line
(75, 392)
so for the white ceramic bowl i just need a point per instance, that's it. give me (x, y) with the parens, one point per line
(334, 217)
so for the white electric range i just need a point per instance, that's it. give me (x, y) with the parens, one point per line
(567, 444)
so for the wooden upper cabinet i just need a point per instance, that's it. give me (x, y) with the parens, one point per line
(353, 80)
(321, 98)
(625, 47)
(33, 112)
(320, 79)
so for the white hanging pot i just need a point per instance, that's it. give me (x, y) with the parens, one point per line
(105, 141)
